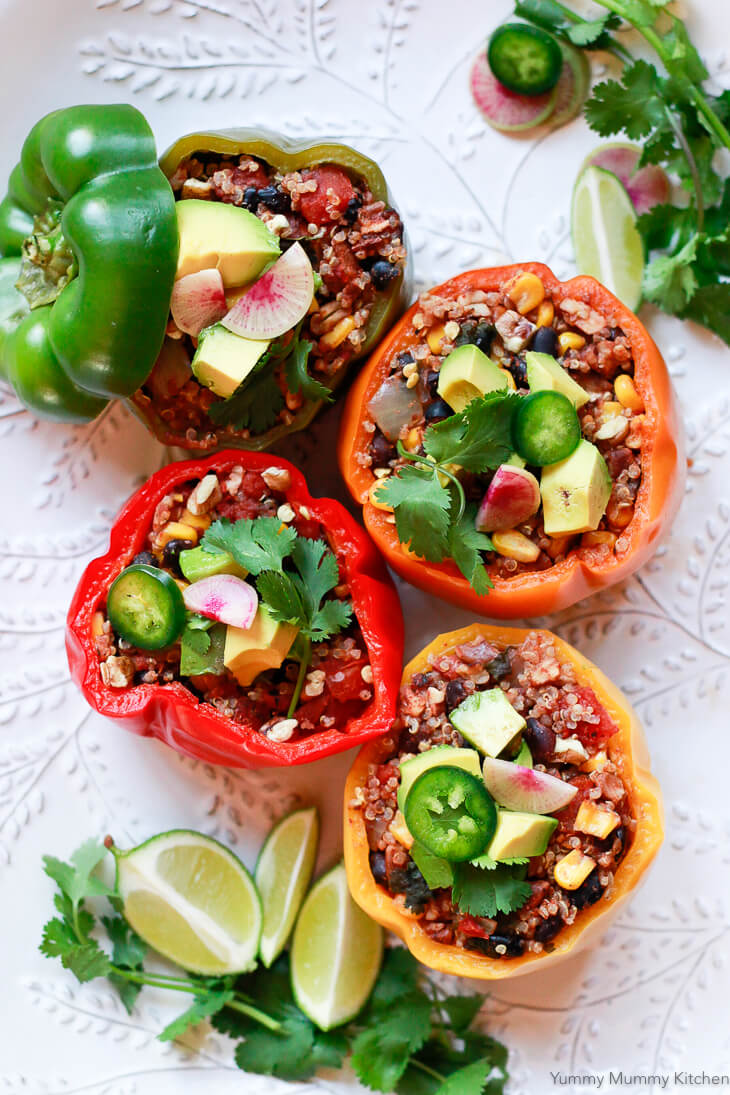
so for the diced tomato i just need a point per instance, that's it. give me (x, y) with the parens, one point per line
(246, 502)
(306, 527)
(592, 733)
(308, 714)
(258, 177)
(334, 191)
(344, 267)
(566, 817)
(469, 925)
(344, 679)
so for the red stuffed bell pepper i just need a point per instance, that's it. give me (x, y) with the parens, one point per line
(238, 619)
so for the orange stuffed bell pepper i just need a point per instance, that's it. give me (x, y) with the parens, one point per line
(510, 811)
(514, 442)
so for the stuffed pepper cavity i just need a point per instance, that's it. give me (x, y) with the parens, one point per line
(509, 810)
(89, 232)
(291, 268)
(239, 619)
(514, 442)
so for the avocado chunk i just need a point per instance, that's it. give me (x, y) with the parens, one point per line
(520, 835)
(575, 491)
(544, 373)
(218, 235)
(411, 769)
(488, 721)
(466, 374)
(197, 563)
(262, 646)
(524, 757)
(223, 360)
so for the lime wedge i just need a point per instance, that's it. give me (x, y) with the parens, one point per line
(193, 901)
(336, 953)
(606, 241)
(283, 873)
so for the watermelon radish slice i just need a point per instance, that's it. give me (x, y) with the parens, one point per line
(647, 187)
(572, 87)
(277, 301)
(223, 597)
(198, 300)
(506, 110)
(518, 788)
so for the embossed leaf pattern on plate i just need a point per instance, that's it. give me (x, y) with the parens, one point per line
(389, 78)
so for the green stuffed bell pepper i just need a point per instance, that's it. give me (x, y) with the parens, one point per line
(205, 391)
(91, 220)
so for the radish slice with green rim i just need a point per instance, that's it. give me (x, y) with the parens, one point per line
(518, 788)
(277, 301)
(225, 598)
(506, 110)
(198, 301)
(646, 186)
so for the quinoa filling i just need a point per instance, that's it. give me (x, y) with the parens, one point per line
(339, 681)
(354, 243)
(568, 732)
(592, 349)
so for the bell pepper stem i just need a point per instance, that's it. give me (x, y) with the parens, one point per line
(305, 647)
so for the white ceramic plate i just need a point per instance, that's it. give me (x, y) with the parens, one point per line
(391, 78)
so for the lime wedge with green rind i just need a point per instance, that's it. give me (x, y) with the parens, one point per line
(606, 240)
(283, 873)
(336, 953)
(191, 899)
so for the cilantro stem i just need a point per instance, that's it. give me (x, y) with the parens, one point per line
(254, 1013)
(442, 470)
(694, 170)
(305, 646)
(428, 1070)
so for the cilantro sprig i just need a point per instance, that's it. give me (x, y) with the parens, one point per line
(680, 126)
(296, 594)
(427, 496)
(410, 1037)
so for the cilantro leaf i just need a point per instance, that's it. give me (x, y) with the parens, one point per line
(257, 545)
(469, 1080)
(437, 872)
(588, 31)
(254, 405)
(398, 974)
(85, 960)
(202, 1007)
(485, 893)
(443, 1060)
(286, 1054)
(281, 596)
(670, 281)
(558, 19)
(465, 546)
(76, 879)
(462, 1010)
(710, 306)
(422, 506)
(634, 105)
(297, 375)
(298, 598)
(479, 438)
(393, 1033)
(202, 651)
(128, 952)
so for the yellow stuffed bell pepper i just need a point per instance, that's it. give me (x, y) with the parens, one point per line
(509, 813)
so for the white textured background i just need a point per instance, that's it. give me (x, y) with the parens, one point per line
(391, 78)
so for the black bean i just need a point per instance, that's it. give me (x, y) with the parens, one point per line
(437, 411)
(501, 666)
(466, 333)
(251, 199)
(614, 333)
(171, 554)
(432, 382)
(484, 337)
(455, 693)
(382, 272)
(377, 866)
(145, 557)
(410, 882)
(351, 209)
(540, 739)
(278, 201)
(404, 358)
(421, 680)
(587, 894)
(545, 341)
(382, 451)
(514, 945)
(548, 929)
(519, 372)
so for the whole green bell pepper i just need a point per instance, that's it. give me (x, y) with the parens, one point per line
(285, 155)
(93, 218)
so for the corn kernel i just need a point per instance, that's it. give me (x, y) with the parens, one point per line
(513, 545)
(97, 624)
(413, 440)
(597, 762)
(195, 520)
(558, 546)
(597, 539)
(339, 333)
(594, 821)
(573, 869)
(510, 380)
(373, 497)
(400, 830)
(627, 394)
(435, 337)
(545, 314)
(176, 531)
(570, 340)
(610, 409)
(526, 291)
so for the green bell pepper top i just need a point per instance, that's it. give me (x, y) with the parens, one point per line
(93, 218)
